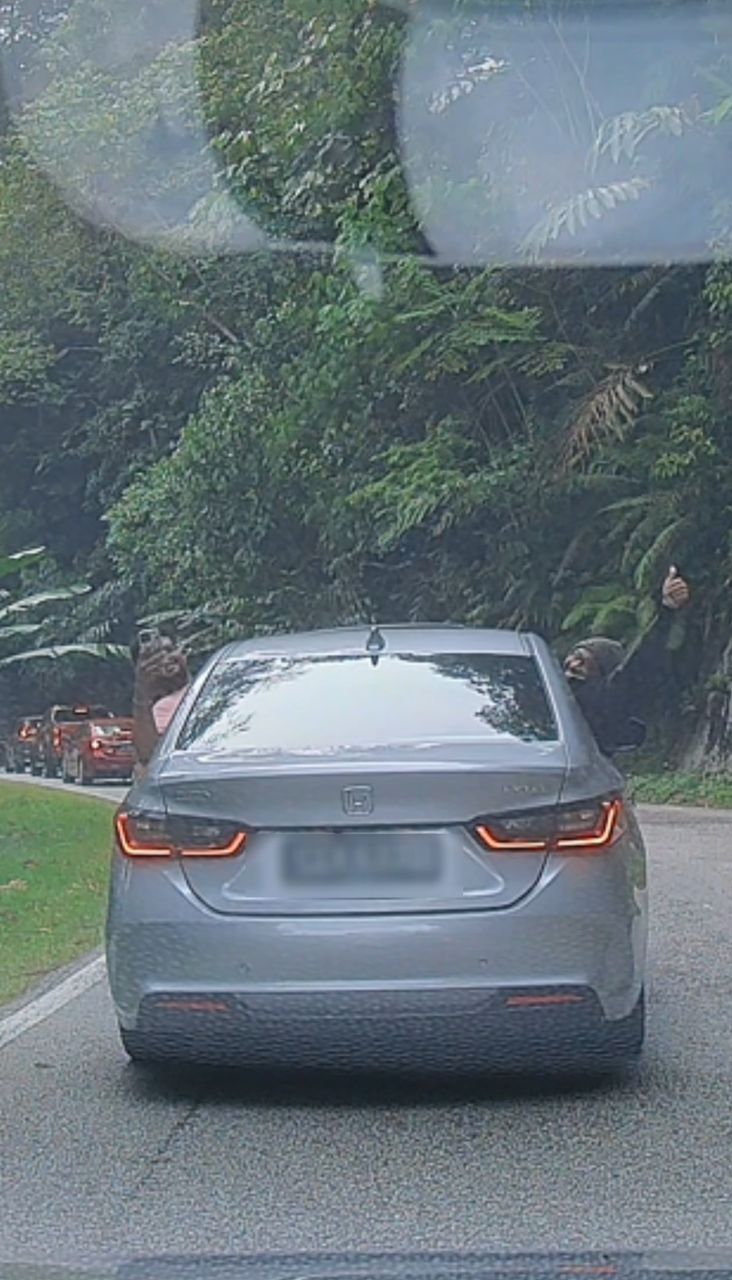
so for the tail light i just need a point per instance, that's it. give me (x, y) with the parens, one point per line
(144, 835)
(57, 737)
(585, 828)
(96, 744)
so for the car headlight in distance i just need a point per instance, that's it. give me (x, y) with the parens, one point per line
(145, 835)
(590, 827)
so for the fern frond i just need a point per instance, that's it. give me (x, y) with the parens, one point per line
(656, 558)
(577, 211)
(608, 413)
(622, 135)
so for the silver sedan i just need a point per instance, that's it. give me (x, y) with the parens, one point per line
(375, 848)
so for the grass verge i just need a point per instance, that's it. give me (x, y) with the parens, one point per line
(54, 860)
(706, 791)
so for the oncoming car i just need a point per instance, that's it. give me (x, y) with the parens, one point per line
(380, 846)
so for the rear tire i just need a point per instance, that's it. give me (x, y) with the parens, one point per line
(49, 769)
(83, 777)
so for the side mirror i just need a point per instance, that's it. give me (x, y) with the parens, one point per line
(634, 737)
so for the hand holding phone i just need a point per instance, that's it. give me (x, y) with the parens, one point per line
(161, 667)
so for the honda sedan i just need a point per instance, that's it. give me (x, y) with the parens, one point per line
(385, 847)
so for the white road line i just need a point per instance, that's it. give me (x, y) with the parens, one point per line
(16, 1024)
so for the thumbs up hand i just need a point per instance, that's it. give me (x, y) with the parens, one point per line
(676, 593)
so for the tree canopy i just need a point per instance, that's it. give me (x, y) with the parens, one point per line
(358, 429)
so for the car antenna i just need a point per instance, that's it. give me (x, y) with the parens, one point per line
(375, 644)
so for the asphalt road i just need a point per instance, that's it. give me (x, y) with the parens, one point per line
(98, 1160)
(99, 790)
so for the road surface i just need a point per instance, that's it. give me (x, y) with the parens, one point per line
(98, 1160)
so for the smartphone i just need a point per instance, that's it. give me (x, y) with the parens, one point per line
(150, 639)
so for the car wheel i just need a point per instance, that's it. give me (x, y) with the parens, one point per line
(83, 777)
(65, 771)
(50, 769)
(35, 769)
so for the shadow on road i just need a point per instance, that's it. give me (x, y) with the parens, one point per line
(357, 1089)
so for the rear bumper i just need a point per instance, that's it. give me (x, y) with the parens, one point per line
(123, 768)
(460, 1030)
(280, 984)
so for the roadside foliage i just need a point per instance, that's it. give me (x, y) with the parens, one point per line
(298, 438)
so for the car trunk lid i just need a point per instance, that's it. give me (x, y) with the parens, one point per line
(391, 833)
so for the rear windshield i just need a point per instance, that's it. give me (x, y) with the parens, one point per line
(265, 704)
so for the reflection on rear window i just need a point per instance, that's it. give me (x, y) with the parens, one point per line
(111, 730)
(263, 704)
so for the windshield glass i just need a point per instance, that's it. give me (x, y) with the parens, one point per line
(296, 704)
(323, 319)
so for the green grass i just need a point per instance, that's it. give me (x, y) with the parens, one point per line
(707, 791)
(54, 860)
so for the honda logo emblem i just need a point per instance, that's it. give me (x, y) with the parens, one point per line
(358, 802)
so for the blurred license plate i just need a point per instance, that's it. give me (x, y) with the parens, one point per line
(359, 859)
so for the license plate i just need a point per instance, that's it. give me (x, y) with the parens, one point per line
(360, 860)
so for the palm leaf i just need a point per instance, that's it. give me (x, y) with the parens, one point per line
(43, 598)
(617, 618)
(19, 629)
(54, 652)
(642, 536)
(597, 602)
(638, 502)
(577, 617)
(19, 560)
(646, 613)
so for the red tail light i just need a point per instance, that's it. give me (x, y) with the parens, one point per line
(57, 737)
(144, 835)
(585, 828)
(96, 744)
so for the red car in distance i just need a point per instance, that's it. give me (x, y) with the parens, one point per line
(57, 725)
(19, 747)
(99, 749)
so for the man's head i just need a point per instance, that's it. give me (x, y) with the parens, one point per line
(594, 660)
